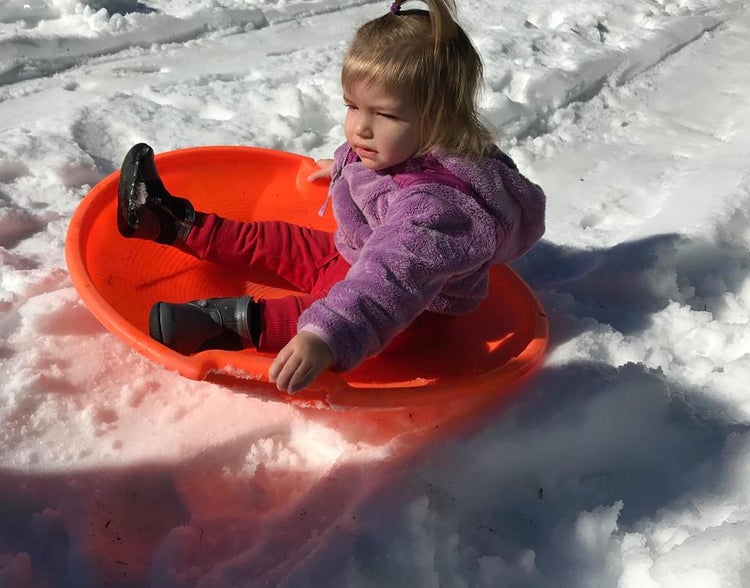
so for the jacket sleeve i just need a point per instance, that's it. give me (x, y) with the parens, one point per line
(428, 235)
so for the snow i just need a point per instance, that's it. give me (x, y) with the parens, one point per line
(624, 461)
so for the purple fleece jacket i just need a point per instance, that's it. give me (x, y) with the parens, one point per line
(427, 246)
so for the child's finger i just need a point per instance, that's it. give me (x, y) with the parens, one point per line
(302, 378)
(323, 171)
(276, 366)
(287, 373)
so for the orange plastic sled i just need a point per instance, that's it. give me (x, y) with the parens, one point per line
(119, 279)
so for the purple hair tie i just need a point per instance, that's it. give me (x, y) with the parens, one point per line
(395, 8)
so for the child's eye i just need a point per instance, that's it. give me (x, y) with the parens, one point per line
(386, 115)
(350, 106)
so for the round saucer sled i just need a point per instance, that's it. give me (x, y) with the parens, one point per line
(485, 352)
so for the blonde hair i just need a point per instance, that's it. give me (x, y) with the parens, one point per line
(427, 58)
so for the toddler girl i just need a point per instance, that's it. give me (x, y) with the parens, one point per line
(424, 203)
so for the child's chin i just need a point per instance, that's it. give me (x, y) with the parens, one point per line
(372, 164)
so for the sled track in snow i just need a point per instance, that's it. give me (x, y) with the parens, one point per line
(25, 58)
(559, 89)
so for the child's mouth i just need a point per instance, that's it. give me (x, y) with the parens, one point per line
(365, 152)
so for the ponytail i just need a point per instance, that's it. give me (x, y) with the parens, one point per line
(442, 19)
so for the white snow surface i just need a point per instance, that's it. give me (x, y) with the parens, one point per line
(623, 462)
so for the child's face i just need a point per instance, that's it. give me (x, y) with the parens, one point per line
(382, 128)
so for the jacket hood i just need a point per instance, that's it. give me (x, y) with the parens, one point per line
(516, 202)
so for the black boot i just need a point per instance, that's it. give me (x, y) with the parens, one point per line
(213, 323)
(145, 209)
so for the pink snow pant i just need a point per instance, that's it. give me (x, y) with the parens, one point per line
(306, 258)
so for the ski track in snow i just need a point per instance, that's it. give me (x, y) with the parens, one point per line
(302, 519)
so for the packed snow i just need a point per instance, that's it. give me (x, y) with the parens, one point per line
(624, 461)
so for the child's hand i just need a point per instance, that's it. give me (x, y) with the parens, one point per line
(325, 166)
(300, 362)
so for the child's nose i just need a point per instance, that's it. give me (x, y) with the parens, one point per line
(363, 127)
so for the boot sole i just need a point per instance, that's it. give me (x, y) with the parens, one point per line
(127, 197)
(155, 329)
